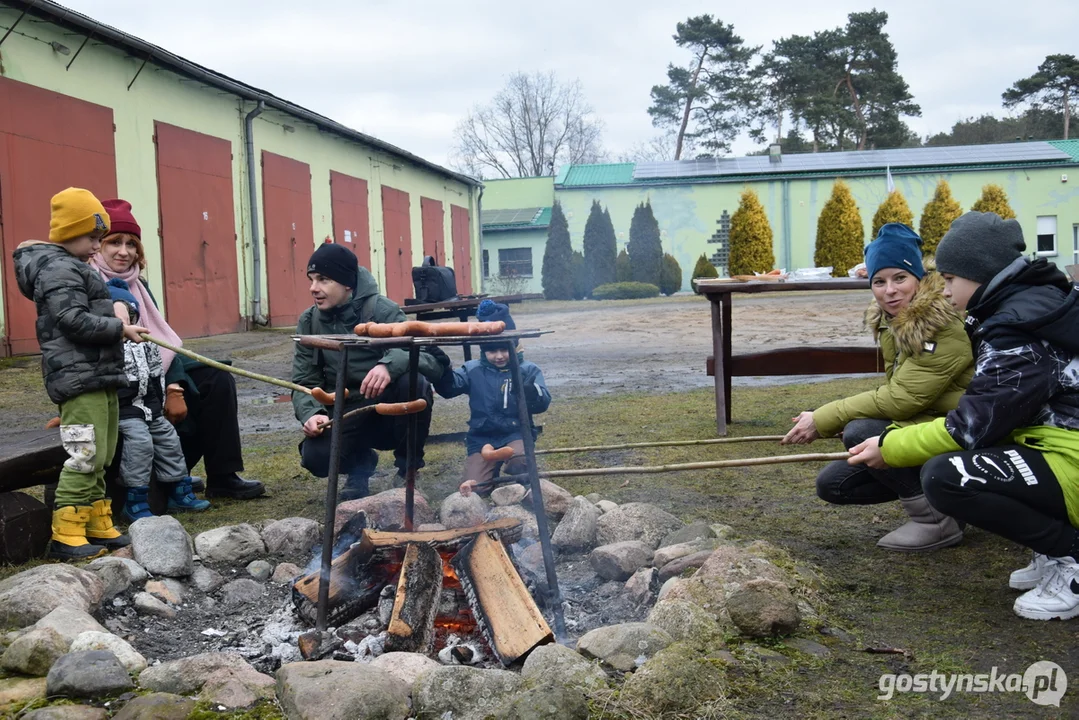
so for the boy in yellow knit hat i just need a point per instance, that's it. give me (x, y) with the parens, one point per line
(82, 359)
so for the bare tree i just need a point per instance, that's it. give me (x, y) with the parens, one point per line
(532, 126)
(658, 148)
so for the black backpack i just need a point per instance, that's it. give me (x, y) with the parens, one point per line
(432, 283)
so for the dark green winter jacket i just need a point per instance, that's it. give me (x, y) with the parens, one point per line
(318, 368)
(80, 336)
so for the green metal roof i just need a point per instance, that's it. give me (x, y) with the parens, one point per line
(1069, 146)
(606, 174)
(516, 219)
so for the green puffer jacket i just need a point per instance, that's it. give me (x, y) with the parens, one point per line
(927, 364)
(80, 336)
(318, 368)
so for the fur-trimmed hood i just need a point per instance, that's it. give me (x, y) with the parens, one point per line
(918, 323)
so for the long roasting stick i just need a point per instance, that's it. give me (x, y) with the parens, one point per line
(664, 443)
(318, 393)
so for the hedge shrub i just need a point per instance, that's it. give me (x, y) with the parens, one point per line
(625, 291)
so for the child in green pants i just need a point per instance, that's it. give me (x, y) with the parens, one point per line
(82, 359)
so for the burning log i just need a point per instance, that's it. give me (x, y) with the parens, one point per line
(412, 625)
(510, 621)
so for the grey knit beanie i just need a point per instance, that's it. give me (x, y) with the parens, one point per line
(979, 245)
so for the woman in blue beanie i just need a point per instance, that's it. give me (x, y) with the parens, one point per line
(927, 365)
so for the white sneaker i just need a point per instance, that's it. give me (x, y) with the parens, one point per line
(1029, 577)
(1056, 596)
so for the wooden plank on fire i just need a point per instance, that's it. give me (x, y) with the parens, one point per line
(384, 538)
(508, 616)
(412, 624)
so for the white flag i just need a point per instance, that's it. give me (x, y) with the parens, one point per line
(891, 185)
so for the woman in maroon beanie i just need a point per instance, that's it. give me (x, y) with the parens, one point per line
(200, 400)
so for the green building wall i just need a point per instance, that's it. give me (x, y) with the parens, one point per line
(101, 74)
(493, 241)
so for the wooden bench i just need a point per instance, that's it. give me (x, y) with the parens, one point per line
(804, 361)
(1073, 272)
(29, 459)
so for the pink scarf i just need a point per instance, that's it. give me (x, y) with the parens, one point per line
(150, 316)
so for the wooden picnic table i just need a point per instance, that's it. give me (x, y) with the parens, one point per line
(797, 360)
(461, 309)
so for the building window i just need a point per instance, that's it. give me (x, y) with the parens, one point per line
(515, 262)
(1047, 235)
(486, 264)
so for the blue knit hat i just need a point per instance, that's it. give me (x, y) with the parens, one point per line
(490, 311)
(121, 292)
(896, 246)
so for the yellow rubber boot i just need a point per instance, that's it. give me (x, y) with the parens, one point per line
(69, 535)
(100, 530)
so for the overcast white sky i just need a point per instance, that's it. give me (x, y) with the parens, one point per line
(408, 71)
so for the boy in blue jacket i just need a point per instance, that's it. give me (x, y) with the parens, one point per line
(492, 400)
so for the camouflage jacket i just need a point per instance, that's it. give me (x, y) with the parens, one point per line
(81, 338)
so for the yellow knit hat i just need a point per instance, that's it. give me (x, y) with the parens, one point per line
(76, 212)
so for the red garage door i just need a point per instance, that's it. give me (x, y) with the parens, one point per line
(462, 248)
(48, 142)
(290, 238)
(434, 236)
(397, 233)
(198, 232)
(351, 221)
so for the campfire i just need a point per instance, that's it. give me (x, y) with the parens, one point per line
(444, 585)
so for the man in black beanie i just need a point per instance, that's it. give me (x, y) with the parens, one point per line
(1007, 458)
(346, 295)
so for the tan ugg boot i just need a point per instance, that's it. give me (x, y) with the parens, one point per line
(927, 529)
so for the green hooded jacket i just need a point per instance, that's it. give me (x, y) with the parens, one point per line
(318, 368)
(927, 364)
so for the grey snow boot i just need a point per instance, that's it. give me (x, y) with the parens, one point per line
(927, 529)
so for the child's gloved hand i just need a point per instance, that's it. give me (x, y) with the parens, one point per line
(175, 405)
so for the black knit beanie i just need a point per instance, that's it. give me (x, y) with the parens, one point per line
(979, 245)
(335, 262)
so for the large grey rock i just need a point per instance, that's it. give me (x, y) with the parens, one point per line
(529, 528)
(231, 543)
(207, 579)
(115, 574)
(698, 530)
(465, 693)
(332, 690)
(511, 494)
(292, 537)
(642, 586)
(132, 661)
(605, 506)
(241, 592)
(636, 521)
(162, 546)
(67, 712)
(577, 528)
(20, 690)
(618, 561)
(670, 553)
(763, 608)
(556, 499)
(34, 653)
(405, 666)
(89, 674)
(677, 681)
(32, 594)
(545, 702)
(559, 665)
(69, 622)
(157, 706)
(147, 604)
(726, 569)
(462, 511)
(260, 570)
(685, 621)
(624, 647)
(189, 675)
(687, 562)
(384, 511)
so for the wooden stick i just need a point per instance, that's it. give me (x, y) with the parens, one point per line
(708, 465)
(664, 443)
(318, 393)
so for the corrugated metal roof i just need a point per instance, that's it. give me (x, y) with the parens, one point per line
(1069, 146)
(606, 174)
(516, 219)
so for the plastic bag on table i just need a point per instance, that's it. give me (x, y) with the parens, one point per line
(810, 274)
(858, 271)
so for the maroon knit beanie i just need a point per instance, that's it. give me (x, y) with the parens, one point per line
(122, 221)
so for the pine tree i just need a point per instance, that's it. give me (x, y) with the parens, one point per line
(670, 279)
(937, 217)
(894, 209)
(645, 247)
(623, 269)
(581, 286)
(751, 237)
(703, 269)
(840, 235)
(600, 247)
(592, 242)
(557, 276)
(994, 200)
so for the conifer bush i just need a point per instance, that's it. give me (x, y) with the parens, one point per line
(894, 209)
(840, 235)
(670, 280)
(582, 286)
(703, 269)
(751, 237)
(600, 247)
(645, 248)
(937, 216)
(994, 200)
(557, 273)
(623, 269)
(625, 291)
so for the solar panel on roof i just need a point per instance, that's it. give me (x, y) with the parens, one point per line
(510, 216)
